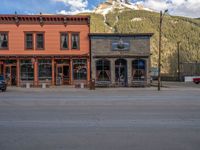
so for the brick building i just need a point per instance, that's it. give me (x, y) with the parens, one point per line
(38, 49)
(120, 59)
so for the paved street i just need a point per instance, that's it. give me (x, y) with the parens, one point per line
(104, 119)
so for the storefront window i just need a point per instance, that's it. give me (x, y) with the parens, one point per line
(26, 70)
(103, 70)
(45, 69)
(80, 69)
(139, 69)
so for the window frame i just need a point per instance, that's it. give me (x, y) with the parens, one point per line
(5, 32)
(48, 65)
(103, 64)
(79, 62)
(61, 47)
(75, 33)
(36, 42)
(27, 73)
(139, 69)
(25, 41)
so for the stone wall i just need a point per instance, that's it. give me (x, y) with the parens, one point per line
(101, 48)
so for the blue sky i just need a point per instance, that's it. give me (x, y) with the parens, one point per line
(189, 8)
(36, 6)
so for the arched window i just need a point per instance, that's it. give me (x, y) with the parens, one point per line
(139, 69)
(103, 70)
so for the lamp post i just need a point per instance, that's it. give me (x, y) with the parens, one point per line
(178, 53)
(160, 45)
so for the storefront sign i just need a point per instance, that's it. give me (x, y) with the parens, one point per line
(120, 45)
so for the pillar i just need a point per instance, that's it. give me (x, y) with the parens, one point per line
(129, 71)
(148, 76)
(88, 70)
(71, 71)
(112, 69)
(36, 73)
(0, 68)
(18, 72)
(93, 67)
(53, 72)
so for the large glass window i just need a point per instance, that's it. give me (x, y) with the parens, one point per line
(3, 40)
(45, 69)
(80, 69)
(103, 70)
(139, 69)
(64, 41)
(40, 40)
(29, 40)
(26, 70)
(75, 41)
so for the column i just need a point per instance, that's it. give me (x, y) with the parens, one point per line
(36, 73)
(112, 69)
(0, 68)
(53, 72)
(18, 72)
(71, 71)
(147, 71)
(88, 70)
(129, 71)
(93, 65)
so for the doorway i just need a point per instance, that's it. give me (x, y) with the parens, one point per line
(62, 74)
(121, 72)
(11, 74)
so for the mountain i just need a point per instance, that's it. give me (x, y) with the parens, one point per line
(120, 16)
(110, 5)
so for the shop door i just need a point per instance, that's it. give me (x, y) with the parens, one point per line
(121, 72)
(11, 75)
(62, 75)
(66, 75)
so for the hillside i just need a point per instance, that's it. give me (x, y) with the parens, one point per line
(175, 29)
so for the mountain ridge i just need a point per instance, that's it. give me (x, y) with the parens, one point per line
(110, 5)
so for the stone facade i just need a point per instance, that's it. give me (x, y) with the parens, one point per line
(126, 63)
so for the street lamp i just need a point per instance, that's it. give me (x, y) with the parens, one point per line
(178, 55)
(160, 44)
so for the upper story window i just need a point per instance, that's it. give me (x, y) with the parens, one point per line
(3, 40)
(40, 41)
(29, 41)
(64, 40)
(75, 41)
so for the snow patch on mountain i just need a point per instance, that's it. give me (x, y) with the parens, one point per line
(111, 5)
(136, 19)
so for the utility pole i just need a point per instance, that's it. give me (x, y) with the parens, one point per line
(178, 58)
(160, 46)
(159, 51)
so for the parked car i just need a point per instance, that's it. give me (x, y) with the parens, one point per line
(3, 84)
(196, 80)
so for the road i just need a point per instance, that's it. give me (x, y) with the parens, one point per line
(104, 119)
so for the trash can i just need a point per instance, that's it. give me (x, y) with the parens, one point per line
(28, 85)
(92, 84)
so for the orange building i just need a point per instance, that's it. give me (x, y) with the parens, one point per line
(52, 49)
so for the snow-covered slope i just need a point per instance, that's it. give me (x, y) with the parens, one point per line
(110, 5)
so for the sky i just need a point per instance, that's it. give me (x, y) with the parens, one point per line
(187, 8)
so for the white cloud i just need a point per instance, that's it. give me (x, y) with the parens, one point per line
(189, 8)
(75, 6)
